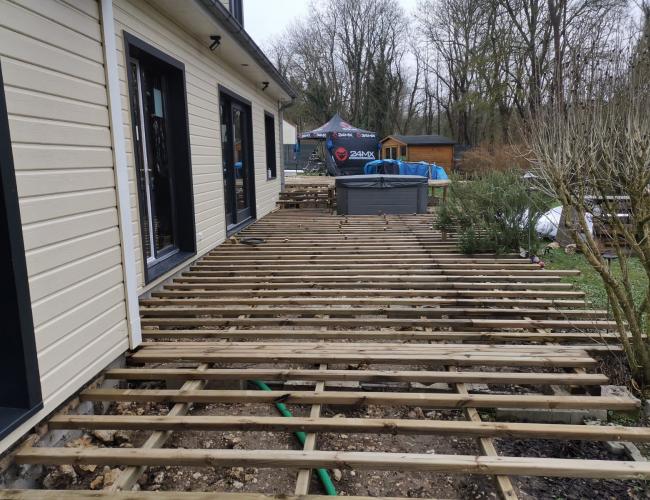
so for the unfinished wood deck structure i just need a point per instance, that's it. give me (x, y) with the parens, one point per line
(300, 296)
(319, 191)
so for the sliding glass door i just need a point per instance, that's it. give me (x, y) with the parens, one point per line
(238, 171)
(162, 160)
(154, 172)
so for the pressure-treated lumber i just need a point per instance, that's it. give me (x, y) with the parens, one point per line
(479, 323)
(390, 311)
(128, 477)
(460, 359)
(405, 335)
(159, 495)
(504, 485)
(362, 398)
(456, 464)
(355, 425)
(356, 301)
(299, 293)
(372, 292)
(422, 376)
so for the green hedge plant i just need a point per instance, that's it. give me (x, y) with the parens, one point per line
(489, 214)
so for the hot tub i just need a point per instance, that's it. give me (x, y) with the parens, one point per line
(381, 194)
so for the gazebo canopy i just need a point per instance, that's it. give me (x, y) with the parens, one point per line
(336, 125)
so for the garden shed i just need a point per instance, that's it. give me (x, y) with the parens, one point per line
(430, 148)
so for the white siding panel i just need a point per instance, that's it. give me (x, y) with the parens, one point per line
(56, 132)
(57, 157)
(28, 103)
(53, 256)
(69, 274)
(38, 27)
(24, 48)
(38, 183)
(52, 62)
(78, 369)
(72, 19)
(56, 230)
(80, 317)
(26, 76)
(40, 208)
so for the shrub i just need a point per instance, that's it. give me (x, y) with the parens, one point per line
(489, 213)
(489, 157)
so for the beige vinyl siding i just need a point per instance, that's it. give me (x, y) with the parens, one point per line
(204, 72)
(52, 63)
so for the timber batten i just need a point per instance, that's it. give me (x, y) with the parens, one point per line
(421, 324)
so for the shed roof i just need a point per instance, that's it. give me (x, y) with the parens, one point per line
(420, 140)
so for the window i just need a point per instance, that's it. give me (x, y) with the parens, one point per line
(162, 160)
(390, 153)
(20, 391)
(402, 152)
(269, 134)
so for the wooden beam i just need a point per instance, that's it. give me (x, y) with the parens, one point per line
(361, 398)
(455, 464)
(459, 359)
(159, 495)
(512, 430)
(478, 323)
(424, 377)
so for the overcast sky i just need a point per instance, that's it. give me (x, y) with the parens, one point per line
(265, 19)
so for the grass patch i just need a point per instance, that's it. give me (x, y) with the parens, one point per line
(590, 282)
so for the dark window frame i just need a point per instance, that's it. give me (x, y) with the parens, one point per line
(134, 48)
(21, 396)
(271, 152)
(242, 101)
(403, 152)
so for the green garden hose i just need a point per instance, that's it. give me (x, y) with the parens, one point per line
(323, 474)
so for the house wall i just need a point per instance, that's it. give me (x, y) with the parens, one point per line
(204, 72)
(52, 64)
(442, 155)
(289, 134)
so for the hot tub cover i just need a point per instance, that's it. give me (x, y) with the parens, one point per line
(380, 181)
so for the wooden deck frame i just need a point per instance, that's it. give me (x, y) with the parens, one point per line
(437, 317)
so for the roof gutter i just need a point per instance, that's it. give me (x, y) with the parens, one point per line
(224, 17)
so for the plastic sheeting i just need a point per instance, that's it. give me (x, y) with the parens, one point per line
(549, 222)
(388, 166)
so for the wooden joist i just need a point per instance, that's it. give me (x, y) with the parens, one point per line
(455, 464)
(159, 495)
(372, 291)
(593, 341)
(356, 301)
(355, 425)
(350, 286)
(457, 359)
(390, 311)
(478, 323)
(421, 376)
(360, 294)
(352, 398)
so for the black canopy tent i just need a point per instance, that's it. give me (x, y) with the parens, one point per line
(347, 148)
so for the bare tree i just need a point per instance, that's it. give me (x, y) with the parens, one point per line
(347, 57)
(594, 156)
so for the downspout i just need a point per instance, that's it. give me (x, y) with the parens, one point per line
(121, 175)
(281, 107)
